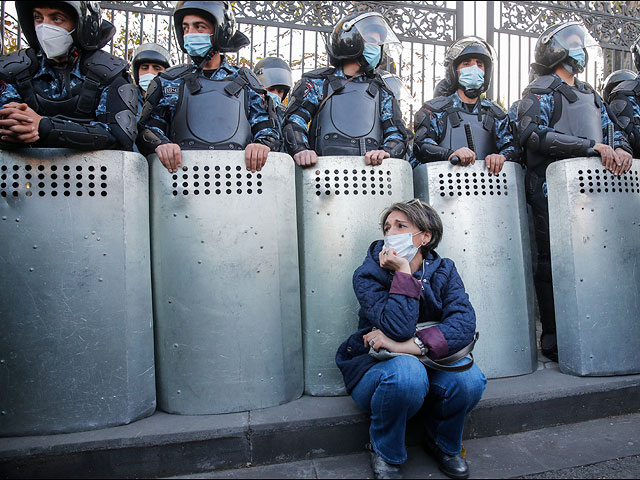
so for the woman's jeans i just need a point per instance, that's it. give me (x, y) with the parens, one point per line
(394, 390)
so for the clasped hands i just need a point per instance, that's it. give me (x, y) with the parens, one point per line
(19, 123)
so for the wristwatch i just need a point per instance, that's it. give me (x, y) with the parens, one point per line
(418, 342)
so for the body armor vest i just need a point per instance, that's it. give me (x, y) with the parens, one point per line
(214, 117)
(349, 123)
(582, 118)
(479, 135)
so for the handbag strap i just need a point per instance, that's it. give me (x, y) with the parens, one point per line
(444, 364)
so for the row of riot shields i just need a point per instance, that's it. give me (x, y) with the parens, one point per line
(243, 280)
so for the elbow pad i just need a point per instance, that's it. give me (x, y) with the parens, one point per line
(58, 133)
(148, 141)
(295, 139)
(559, 145)
(270, 141)
(395, 148)
(427, 152)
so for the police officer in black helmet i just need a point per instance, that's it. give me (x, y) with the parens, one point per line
(210, 104)
(462, 126)
(624, 102)
(561, 117)
(149, 60)
(351, 109)
(64, 91)
(275, 75)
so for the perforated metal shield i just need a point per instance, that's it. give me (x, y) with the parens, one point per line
(594, 220)
(226, 285)
(76, 343)
(486, 234)
(339, 205)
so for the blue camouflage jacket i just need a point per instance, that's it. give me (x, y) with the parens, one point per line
(625, 103)
(396, 302)
(308, 93)
(61, 83)
(430, 127)
(163, 108)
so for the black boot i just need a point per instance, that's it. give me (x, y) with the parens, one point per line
(453, 466)
(549, 346)
(382, 469)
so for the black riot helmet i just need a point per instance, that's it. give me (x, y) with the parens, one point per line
(274, 72)
(635, 52)
(555, 43)
(348, 38)
(149, 53)
(225, 37)
(614, 79)
(463, 49)
(91, 32)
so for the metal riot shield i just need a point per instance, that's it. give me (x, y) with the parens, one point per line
(76, 343)
(486, 234)
(340, 200)
(594, 222)
(226, 285)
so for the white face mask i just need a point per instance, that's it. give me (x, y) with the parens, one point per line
(402, 244)
(55, 41)
(145, 80)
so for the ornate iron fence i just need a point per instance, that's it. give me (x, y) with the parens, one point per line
(297, 30)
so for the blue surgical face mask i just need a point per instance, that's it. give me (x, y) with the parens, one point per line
(471, 77)
(578, 55)
(276, 98)
(372, 54)
(197, 44)
(145, 80)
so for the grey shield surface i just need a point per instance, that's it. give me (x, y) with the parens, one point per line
(76, 343)
(340, 200)
(594, 221)
(226, 285)
(486, 234)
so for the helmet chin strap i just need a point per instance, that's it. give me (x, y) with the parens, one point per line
(471, 93)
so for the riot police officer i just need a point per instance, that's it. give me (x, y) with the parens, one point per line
(275, 75)
(614, 79)
(625, 103)
(64, 91)
(149, 60)
(211, 104)
(462, 125)
(350, 108)
(561, 117)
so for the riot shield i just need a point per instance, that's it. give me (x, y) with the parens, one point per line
(340, 200)
(594, 223)
(76, 344)
(486, 234)
(226, 285)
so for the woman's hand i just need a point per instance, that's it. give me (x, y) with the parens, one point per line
(377, 340)
(390, 260)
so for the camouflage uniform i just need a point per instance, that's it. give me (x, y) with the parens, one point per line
(162, 100)
(60, 129)
(624, 101)
(430, 127)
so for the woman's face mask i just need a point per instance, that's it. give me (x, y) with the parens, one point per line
(197, 44)
(55, 41)
(402, 244)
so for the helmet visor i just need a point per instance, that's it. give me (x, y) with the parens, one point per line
(375, 31)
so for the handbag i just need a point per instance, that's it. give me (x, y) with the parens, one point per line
(442, 364)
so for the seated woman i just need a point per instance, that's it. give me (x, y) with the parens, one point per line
(401, 283)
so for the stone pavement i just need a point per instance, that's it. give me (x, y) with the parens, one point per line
(309, 428)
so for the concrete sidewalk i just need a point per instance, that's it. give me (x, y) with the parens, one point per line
(311, 427)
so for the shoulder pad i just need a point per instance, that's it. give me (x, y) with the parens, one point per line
(544, 84)
(439, 103)
(628, 87)
(176, 71)
(15, 63)
(104, 66)
(251, 79)
(320, 72)
(496, 109)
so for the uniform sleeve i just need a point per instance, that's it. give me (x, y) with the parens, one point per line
(619, 137)
(306, 98)
(157, 113)
(263, 120)
(395, 133)
(504, 138)
(429, 127)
